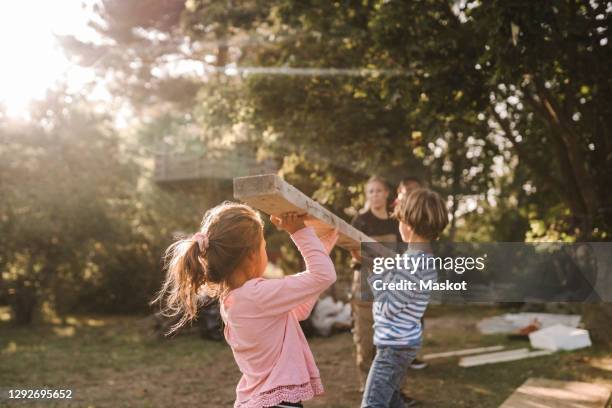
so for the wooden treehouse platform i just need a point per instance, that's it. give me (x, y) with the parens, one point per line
(173, 167)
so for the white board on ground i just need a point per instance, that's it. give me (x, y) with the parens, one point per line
(512, 322)
(560, 337)
(464, 352)
(500, 357)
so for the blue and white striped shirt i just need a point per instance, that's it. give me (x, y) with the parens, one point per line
(397, 313)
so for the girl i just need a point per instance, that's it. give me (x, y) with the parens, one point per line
(227, 258)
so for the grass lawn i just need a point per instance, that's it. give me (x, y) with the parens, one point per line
(115, 362)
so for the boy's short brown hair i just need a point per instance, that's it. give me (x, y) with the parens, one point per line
(424, 211)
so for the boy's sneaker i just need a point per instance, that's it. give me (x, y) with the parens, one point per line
(409, 402)
(418, 364)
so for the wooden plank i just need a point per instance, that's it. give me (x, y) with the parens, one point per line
(464, 352)
(540, 392)
(500, 357)
(273, 195)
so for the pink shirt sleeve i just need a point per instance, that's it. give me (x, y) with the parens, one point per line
(299, 292)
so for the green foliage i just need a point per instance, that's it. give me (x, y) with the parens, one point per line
(483, 85)
(501, 106)
(482, 99)
(62, 184)
(80, 229)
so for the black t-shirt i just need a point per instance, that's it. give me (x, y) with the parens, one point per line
(382, 230)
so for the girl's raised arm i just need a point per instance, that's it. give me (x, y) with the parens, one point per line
(303, 311)
(298, 292)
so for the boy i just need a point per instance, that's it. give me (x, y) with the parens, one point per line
(397, 313)
(404, 188)
(378, 223)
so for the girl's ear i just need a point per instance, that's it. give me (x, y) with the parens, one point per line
(252, 256)
(404, 229)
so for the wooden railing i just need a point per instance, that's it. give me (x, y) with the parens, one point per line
(183, 167)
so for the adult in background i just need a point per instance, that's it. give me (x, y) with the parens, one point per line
(406, 186)
(375, 221)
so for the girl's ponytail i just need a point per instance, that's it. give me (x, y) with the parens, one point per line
(185, 274)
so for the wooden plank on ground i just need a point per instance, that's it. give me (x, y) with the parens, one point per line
(464, 352)
(540, 392)
(273, 195)
(502, 356)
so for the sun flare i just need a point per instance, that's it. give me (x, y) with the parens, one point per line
(31, 58)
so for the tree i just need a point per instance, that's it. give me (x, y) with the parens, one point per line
(491, 101)
(79, 229)
(62, 181)
(483, 81)
(554, 58)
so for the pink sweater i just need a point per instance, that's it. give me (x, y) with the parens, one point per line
(262, 328)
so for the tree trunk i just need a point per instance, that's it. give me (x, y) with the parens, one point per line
(597, 318)
(23, 302)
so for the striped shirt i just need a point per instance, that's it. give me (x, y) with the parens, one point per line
(398, 312)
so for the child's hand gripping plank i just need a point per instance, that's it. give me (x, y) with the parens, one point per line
(293, 222)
